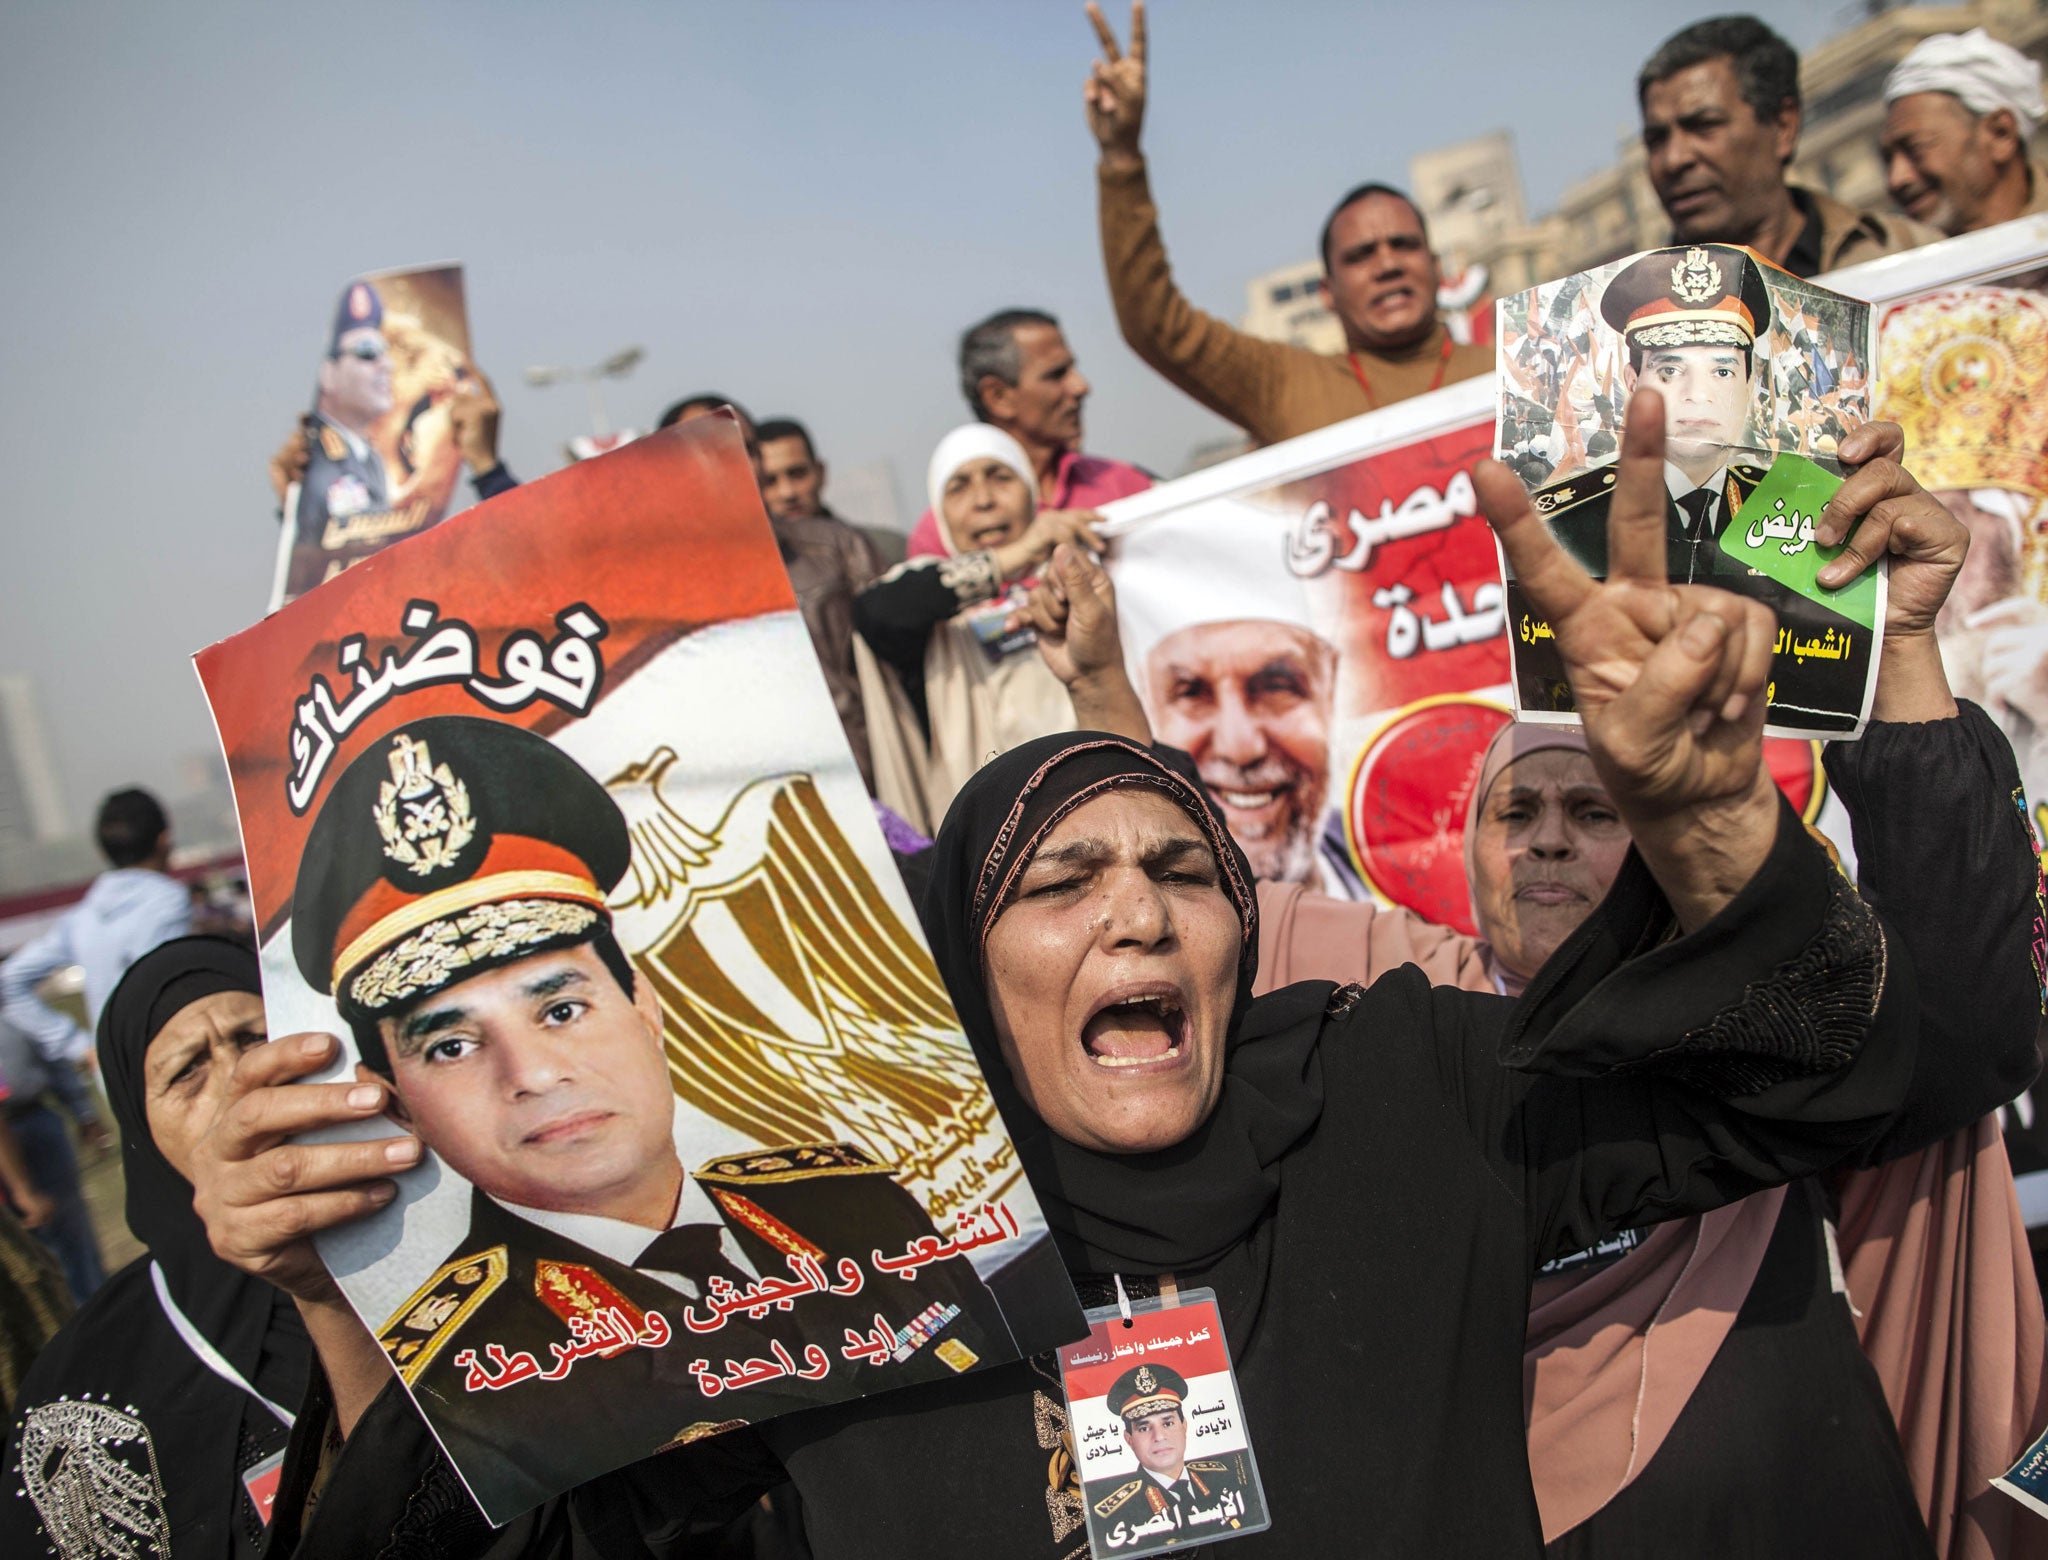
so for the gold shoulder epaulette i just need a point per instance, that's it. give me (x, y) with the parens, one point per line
(1210, 1465)
(794, 1161)
(1117, 1497)
(332, 444)
(1573, 492)
(418, 1329)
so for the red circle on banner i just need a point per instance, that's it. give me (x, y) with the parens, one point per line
(1795, 764)
(1404, 812)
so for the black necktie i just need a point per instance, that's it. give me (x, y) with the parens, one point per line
(1698, 505)
(692, 1250)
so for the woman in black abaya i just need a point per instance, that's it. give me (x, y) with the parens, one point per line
(154, 1422)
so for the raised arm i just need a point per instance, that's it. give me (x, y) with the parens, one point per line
(1231, 373)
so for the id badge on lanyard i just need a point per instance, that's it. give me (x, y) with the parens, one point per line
(1160, 1442)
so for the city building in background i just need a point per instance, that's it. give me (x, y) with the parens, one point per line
(31, 798)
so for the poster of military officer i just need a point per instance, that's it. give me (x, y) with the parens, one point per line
(1164, 1453)
(1760, 376)
(381, 458)
(705, 1142)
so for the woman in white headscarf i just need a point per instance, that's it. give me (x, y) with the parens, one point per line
(947, 682)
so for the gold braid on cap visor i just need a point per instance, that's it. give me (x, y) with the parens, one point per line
(1138, 1408)
(1691, 330)
(438, 953)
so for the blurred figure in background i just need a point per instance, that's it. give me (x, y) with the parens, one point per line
(1960, 112)
(130, 908)
(947, 681)
(829, 562)
(1018, 374)
(34, 1298)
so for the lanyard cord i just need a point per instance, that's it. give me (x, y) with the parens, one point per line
(208, 1355)
(1443, 362)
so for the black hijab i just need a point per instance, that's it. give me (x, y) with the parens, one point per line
(123, 1348)
(227, 1306)
(1176, 1209)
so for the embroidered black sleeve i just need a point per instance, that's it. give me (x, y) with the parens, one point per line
(1784, 984)
(439, 1519)
(1806, 1017)
(971, 577)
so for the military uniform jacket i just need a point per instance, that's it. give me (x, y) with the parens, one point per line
(1576, 511)
(1212, 1497)
(344, 509)
(515, 1288)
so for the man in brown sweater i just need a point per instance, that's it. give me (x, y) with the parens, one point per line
(1721, 118)
(1380, 281)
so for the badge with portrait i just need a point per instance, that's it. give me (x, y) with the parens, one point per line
(549, 816)
(1160, 1442)
(381, 458)
(1763, 375)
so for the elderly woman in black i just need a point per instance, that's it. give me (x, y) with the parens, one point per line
(154, 1423)
(1365, 1178)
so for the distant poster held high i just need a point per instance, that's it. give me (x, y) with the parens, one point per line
(550, 817)
(1762, 376)
(382, 462)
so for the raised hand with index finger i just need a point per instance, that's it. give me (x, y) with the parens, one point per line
(1669, 679)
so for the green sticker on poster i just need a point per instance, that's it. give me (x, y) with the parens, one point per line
(1773, 534)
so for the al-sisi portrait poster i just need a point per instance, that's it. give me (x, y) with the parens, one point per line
(548, 815)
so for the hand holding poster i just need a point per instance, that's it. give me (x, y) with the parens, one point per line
(549, 815)
(381, 458)
(1762, 375)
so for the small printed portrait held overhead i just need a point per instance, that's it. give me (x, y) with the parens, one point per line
(1759, 377)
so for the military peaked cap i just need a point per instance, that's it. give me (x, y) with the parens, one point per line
(448, 847)
(1690, 295)
(361, 308)
(1146, 1390)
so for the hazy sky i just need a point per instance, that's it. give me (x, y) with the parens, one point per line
(799, 204)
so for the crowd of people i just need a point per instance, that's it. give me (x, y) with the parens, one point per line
(1667, 1215)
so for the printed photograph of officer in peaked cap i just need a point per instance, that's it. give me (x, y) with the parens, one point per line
(345, 475)
(1689, 318)
(1693, 322)
(452, 899)
(1173, 1500)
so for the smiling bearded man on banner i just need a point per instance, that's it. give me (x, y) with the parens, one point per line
(1231, 668)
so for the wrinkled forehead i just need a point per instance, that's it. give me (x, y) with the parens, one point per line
(203, 1019)
(1240, 649)
(1924, 111)
(1118, 822)
(1550, 769)
(1712, 83)
(1118, 807)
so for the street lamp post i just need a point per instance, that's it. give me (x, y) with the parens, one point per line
(617, 366)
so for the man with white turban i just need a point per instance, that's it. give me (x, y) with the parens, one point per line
(1229, 666)
(1960, 111)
